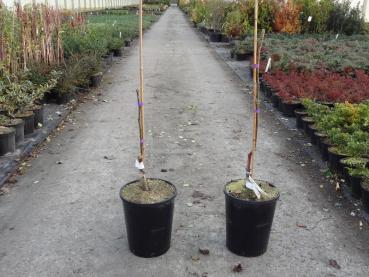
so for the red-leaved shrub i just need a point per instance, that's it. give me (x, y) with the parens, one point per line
(320, 85)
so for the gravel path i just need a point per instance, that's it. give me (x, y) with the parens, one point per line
(64, 217)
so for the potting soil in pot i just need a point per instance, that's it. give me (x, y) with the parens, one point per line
(238, 189)
(159, 191)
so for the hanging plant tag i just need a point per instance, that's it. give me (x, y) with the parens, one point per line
(310, 18)
(337, 36)
(251, 184)
(139, 165)
(268, 65)
(120, 34)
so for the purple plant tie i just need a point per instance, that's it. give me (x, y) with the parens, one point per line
(141, 141)
(257, 110)
(140, 104)
(255, 66)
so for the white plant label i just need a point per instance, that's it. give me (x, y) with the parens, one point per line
(120, 34)
(251, 184)
(337, 36)
(268, 65)
(310, 18)
(139, 165)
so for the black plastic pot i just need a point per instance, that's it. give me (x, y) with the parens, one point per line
(248, 225)
(149, 226)
(29, 121)
(288, 108)
(127, 43)
(268, 91)
(224, 38)
(242, 56)
(300, 113)
(262, 83)
(275, 100)
(365, 197)
(117, 52)
(306, 121)
(194, 24)
(325, 144)
(312, 134)
(18, 125)
(319, 138)
(95, 79)
(334, 159)
(7, 140)
(215, 37)
(355, 184)
(108, 59)
(38, 111)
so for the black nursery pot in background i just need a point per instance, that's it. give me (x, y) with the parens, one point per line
(149, 226)
(18, 125)
(365, 195)
(312, 129)
(355, 184)
(242, 56)
(275, 99)
(127, 43)
(118, 52)
(300, 113)
(7, 140)
(325, 144)
(248, 225)
(38, 111)
(319, 138)
(29, 121)
(215, 37)
(95, 79)
(306, 122)
(289, 107)
(334, 159)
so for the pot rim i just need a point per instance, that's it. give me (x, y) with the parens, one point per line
(148, 204)
(251, 201)
(10, 129)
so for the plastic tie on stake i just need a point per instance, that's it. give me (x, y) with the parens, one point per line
(140, 104)
(139, 165)
(251, 184)
(255, 66)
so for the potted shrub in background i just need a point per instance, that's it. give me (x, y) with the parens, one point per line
(148, 203)
(250, 204)
(215, 21)
(242, 49)
(7, 137)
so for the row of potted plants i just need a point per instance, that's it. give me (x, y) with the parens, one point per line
(75, 49)
(342, 134)
(315, 52)
(235, 18)
(320, 85)
(339, 130)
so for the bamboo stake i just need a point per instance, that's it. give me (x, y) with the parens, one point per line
(141, 116)
(251, 156)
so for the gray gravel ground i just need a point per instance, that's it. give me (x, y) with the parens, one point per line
(65, 218)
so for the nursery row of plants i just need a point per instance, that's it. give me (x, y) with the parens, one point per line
(235, 19)
(341, 133)
(322, 80)
(326, 67)
(50, 55)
